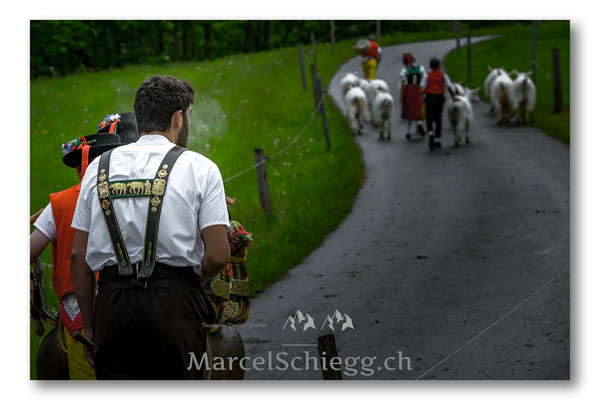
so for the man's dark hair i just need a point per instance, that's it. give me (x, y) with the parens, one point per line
(157, 99)
(434, 63)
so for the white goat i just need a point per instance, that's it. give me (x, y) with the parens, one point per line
(348, 82)
(355, 102)
(522, 96)
(501, 98)
(364, 85)
(489, 81)
(383, 109)
(460, 114)
(375, 87)
(471, 94)
(458, 89)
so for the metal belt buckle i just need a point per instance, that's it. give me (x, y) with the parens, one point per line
(138, 283)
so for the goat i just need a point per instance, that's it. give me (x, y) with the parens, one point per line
(460, 114)
(355, 101)
(348, 82)
(522, 96)
(375, 87)
(383, 109)
(489, 81)
(501, 98)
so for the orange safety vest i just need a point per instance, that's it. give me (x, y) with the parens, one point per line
(63, 208)
(435, 82)
(372, 52)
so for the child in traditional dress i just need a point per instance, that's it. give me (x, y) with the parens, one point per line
(410, 92)
(434, 86)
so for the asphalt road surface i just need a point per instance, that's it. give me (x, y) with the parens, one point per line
(457, 258)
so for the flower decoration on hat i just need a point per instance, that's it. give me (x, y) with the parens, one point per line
(108, 120)
(74, 144)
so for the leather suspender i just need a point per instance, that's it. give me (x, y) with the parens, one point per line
(118, 244)
(154, 207)
(155, 204)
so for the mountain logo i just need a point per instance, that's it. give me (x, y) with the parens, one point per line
(298, 318)
(335, 319)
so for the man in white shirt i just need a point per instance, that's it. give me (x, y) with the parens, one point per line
(151, 218)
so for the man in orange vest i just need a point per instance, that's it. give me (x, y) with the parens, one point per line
(371, 53)
(433, 87)
(54, 225)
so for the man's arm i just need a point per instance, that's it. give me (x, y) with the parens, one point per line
(216, 251)
(37, 243)
(84, 282)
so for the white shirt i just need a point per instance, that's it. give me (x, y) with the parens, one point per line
(45, 223)
(194, 199)
(404, 74)
(447, 81)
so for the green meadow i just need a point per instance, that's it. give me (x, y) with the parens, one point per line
(513, 51)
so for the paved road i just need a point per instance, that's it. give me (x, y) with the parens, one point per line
(438, 247)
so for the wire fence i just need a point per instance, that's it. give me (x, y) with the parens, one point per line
(282, 150)
(315, 111)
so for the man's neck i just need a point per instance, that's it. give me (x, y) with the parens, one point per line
(167, 135)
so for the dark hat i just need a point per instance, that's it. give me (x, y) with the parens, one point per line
(98, 142)
(124, 125)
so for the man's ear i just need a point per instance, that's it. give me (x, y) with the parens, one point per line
(177, 119)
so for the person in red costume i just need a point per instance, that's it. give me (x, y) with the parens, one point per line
(371, 56)
(433, 87)
(54, 225)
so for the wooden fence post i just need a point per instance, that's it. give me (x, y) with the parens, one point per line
(533, 63)
(263, 184)
(332, 36)
(313, 75)
(469, 51)
(378, 28)
(557, 86)
(314, 47)
(323, 114)
(456, 28)
(302, 64)
(328, 351)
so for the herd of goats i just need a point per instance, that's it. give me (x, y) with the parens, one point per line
(510, 100)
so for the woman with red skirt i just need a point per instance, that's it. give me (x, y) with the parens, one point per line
(410, 92)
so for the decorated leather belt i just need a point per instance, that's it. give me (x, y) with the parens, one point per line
(166, 276)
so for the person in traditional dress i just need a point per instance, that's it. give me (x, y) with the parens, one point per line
(371, 56)
(54, 226)
(411, 76)
(150, 314)
(433, 87)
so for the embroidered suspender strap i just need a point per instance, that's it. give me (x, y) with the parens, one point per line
(118, 244)
(159, 186)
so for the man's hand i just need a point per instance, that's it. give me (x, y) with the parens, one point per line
(88, 351)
